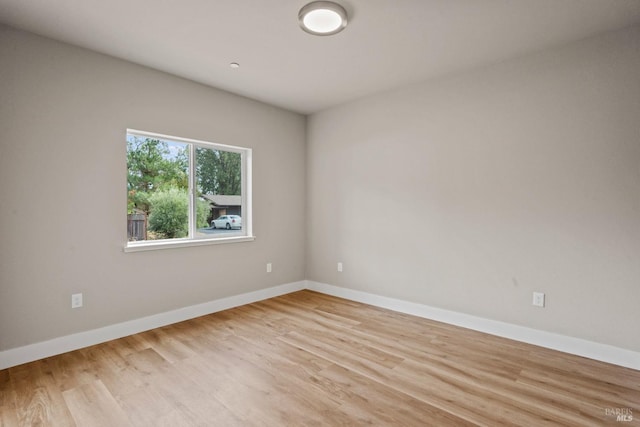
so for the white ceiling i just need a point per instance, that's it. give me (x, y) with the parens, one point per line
(388, 43)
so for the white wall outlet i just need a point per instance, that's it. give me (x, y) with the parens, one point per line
(538, 299)
(268, 267)
(340, 267)
(76, 300)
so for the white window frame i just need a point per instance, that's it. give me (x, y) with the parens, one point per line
(192, 240)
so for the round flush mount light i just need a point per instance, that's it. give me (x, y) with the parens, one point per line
(322, 18)
(234, 65)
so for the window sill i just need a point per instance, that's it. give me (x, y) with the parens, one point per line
(182, 243)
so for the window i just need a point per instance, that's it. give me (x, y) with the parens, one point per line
(183, 192)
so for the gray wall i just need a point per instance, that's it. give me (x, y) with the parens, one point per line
(64, 112)
(471, 191)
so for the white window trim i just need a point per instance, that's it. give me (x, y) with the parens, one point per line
(153, 245)
(247, 220)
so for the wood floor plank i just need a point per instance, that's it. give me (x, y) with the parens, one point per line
(380, 405)
(311, 359)
(145, 406)
(587, 369)
(8, 414)
(599, 393)
(71, 370)
(165, 344)
(92, 405)
(269, 393)
(38, 401)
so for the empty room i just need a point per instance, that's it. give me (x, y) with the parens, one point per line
(319, 213)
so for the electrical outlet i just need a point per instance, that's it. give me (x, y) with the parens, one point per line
(538, 299)
(340, 267)
(268, 267)
(76, 300)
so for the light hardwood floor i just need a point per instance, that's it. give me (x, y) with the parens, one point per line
(308, 359)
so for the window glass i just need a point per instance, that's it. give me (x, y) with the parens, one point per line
(219, 182)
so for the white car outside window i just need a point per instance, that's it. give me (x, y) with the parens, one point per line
(227, 221)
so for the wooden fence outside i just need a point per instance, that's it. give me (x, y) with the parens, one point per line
(137, 226)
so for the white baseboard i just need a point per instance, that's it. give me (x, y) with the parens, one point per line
(592, 350)
(40, 350)
(577, 346)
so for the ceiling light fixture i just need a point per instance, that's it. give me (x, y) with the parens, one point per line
(322, 18)
(234, 65)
